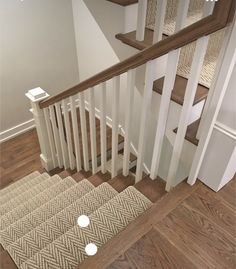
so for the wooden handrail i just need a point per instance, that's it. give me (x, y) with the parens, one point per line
(223, 13)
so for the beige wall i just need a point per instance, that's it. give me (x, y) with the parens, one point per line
(37, 48)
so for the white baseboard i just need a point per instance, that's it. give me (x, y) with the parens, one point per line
(16, 130)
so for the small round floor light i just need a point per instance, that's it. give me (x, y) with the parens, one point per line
(83, 221)
(91, 249)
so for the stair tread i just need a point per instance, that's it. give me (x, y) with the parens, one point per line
(191, 132)
(44, 212)
(41, 198)
(152, 189)
(130, 39)
(43, 181)
(124, 2)
(179, 90)
(180, 82)
(39, 238)
(138, 228)
(80, 175)
(99, 178)
(120, 182)
(105, 222)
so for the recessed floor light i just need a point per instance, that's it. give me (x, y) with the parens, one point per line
(83, 221)
(91, 249)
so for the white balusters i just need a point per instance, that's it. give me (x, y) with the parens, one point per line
(159, 20)
(62, 135)
(83, 131)
(103, 130)
(128, 114)
(141, 20)
(75, 132)
(224, 71)
(92, 126)
(68, 134)
(115, 122)
(182, 12)
(208, 8)
(56, 136)
(190, 92)
(50, 136)
(147, 96)
(168, 86)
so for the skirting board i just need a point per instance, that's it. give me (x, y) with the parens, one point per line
(17, 130)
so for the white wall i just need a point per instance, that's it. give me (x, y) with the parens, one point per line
(219, 163)
(37, 49)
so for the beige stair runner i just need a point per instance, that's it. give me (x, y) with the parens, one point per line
(69, 250)
(18, 187)
(44, 212)
(54, 186)
(45, 233)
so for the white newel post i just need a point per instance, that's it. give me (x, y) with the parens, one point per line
(35, 96)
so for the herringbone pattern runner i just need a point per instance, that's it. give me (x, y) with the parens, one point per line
(50, 230)
(47, 193)
(44, 212)
(44, 182)
(68, 250)
(18, 187)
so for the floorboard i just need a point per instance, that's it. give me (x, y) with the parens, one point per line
(153, 250)
(205, 202)
(152, 189)
(215, 245)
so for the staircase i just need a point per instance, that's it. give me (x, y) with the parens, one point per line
(39, 212)
(39, 215)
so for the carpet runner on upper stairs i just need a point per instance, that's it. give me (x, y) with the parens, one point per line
(195, 13)
(45, 233)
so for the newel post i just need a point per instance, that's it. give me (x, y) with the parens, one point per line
(35, 96)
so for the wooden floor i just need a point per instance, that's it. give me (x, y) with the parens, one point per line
(193, 227)
(198, 233)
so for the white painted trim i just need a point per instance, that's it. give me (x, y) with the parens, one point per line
(17, 130)
(220, 86)
(109, 123)
(225, 130)
(141, 20)
(121, 131)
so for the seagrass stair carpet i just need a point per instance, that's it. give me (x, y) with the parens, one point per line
(39, 219)
(195, 13)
